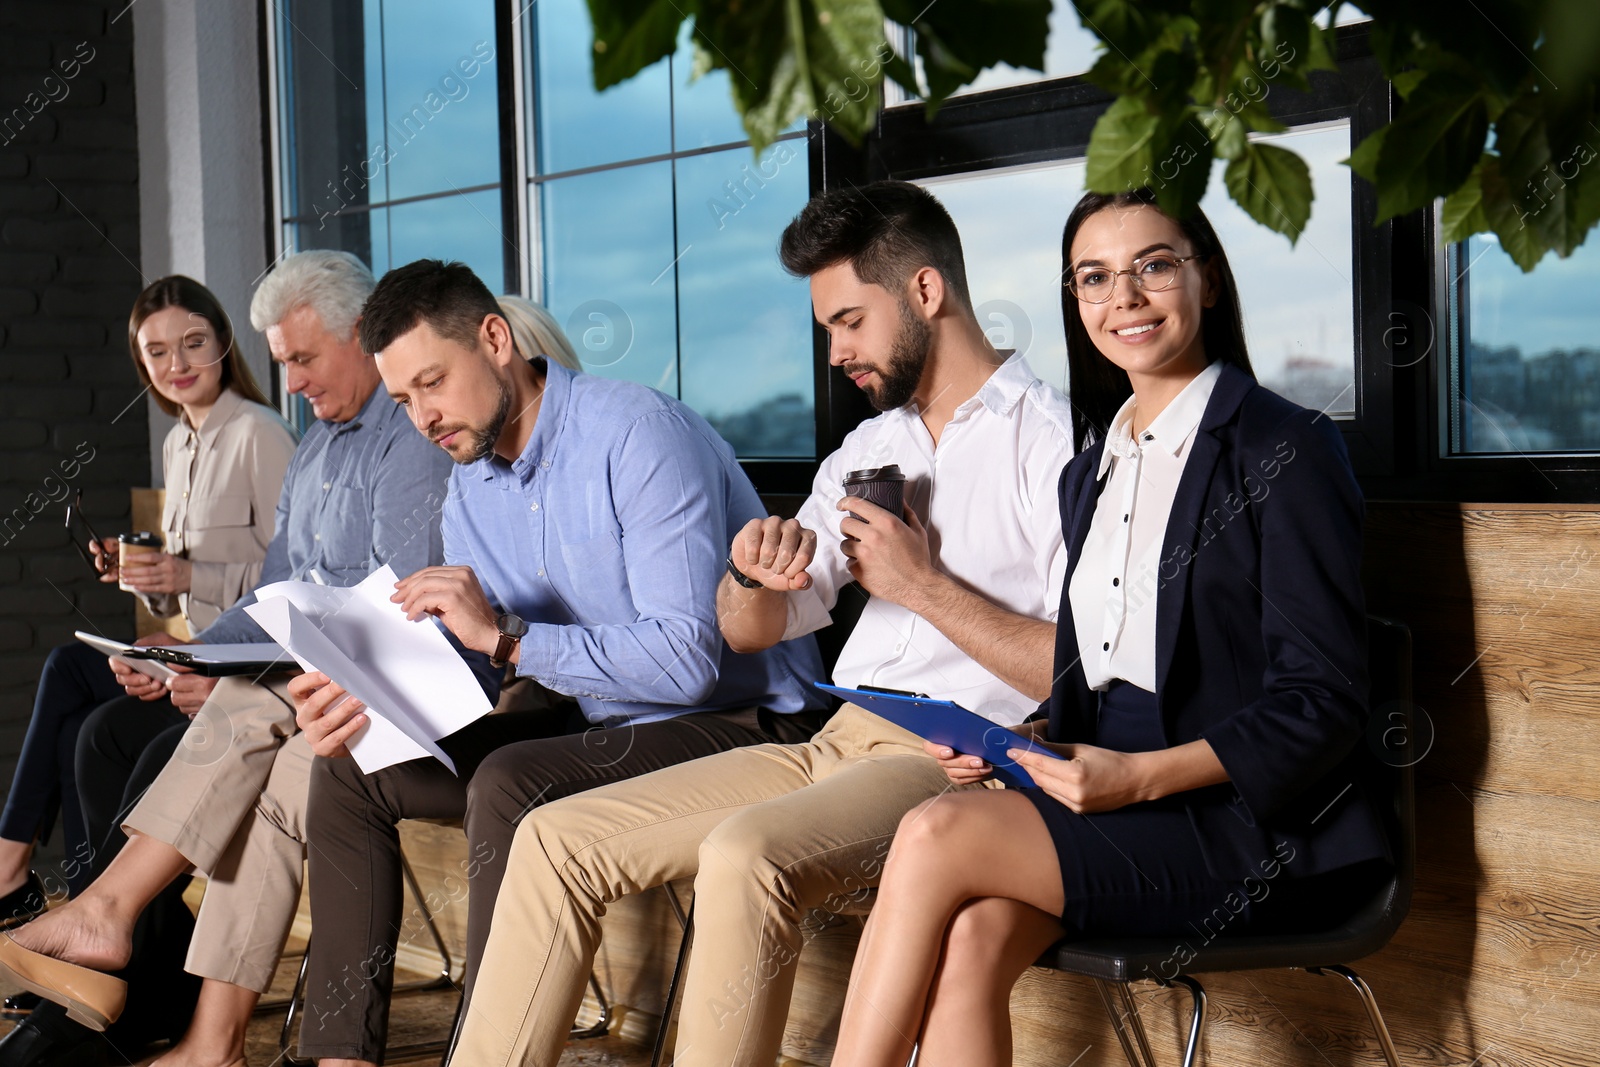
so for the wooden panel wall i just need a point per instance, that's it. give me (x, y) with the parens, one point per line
(1499, 962)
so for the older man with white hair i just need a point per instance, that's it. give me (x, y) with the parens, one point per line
(363, 490)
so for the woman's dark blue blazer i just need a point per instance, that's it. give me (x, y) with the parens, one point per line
(1261, 638)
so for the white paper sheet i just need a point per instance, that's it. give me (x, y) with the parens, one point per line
(415, 685)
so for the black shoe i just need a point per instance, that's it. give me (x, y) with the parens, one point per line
(20, 1005)
(23, 903)
(49, 1039)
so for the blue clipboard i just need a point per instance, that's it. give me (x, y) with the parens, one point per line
(946, 723)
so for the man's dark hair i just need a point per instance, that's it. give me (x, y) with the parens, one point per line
(886, 231)
(447, 296)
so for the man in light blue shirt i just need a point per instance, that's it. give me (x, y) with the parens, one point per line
(586, 532)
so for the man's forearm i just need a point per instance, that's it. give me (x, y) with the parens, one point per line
(751, 620)
(1014, 648)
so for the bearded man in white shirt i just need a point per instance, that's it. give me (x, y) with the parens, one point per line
(964, 590)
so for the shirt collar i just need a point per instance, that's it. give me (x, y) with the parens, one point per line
(1006, 386)
(1176, 423)
(227, 403)
(547, 427)
(1003, 390)
(372, 411)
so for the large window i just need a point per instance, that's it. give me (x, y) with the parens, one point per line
(656, 231)
(389, 127)
(1525, 366)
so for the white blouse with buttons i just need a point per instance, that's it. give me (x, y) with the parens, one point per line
(1116, 576)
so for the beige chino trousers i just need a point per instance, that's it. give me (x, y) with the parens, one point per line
(771, 833)
(232, 800)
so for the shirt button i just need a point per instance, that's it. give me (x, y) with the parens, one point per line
(186, 494)
(1116, 581)
(541, 572)
(1124, 518)
(534, 507)
(316, 537)
(545, 464)
(1105, 647)
(327, 485)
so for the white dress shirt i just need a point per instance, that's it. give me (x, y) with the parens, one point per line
(1113, 587)
(987, 496)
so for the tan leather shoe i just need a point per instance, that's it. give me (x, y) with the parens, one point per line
(91, 997)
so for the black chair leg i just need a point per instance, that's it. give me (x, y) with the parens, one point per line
(1369, 1002)
(686, 919)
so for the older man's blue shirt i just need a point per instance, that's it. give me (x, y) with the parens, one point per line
(609, 535)
(357, 495)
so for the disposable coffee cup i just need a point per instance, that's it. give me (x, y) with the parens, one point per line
(131, 545)
(884, 486)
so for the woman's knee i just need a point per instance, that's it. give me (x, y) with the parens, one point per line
(925, 832)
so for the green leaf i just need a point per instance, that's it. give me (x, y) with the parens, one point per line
(1227, 133)
(1463, 214)
(957, 41)
(1432, 147)
(1519, 240)
(1283, 26)
(1122, 24)
(1319, 50)
(1273, 185)
(1549, 187)
(1364, 160)
(821, 59)
(630, 35)
(1406, 82)
(1182, 170)
(1120, 156)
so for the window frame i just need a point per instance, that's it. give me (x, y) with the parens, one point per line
(1398, 437)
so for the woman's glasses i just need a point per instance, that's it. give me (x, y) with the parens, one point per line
(1094, 285)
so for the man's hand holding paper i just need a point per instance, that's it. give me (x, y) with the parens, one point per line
(414, 685)
(326, 714)
(454, 597)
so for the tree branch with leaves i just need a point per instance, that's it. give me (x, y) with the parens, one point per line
(1498, 110)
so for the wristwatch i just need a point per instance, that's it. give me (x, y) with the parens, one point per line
(742, 578)
(511, 628)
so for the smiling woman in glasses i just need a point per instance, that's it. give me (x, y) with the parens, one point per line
(224, 464)
(1210, 673)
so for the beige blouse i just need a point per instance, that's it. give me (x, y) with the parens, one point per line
(223, 483)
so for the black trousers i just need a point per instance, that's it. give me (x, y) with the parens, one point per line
(74, 682)
(509, 764)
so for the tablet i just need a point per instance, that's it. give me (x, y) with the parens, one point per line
(946, 723)
(211, 661)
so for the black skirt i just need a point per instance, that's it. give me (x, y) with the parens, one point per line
(1139, 871)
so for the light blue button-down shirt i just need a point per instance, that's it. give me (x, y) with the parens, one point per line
(609, 535)
(357, 495)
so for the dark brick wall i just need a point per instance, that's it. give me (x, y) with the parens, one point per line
(71, 413)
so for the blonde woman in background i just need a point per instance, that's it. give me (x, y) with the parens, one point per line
(536, 331)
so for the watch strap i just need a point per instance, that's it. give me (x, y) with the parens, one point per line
(742, 578)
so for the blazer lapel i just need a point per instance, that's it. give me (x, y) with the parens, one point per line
(1188, 507)
(1075, 706)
